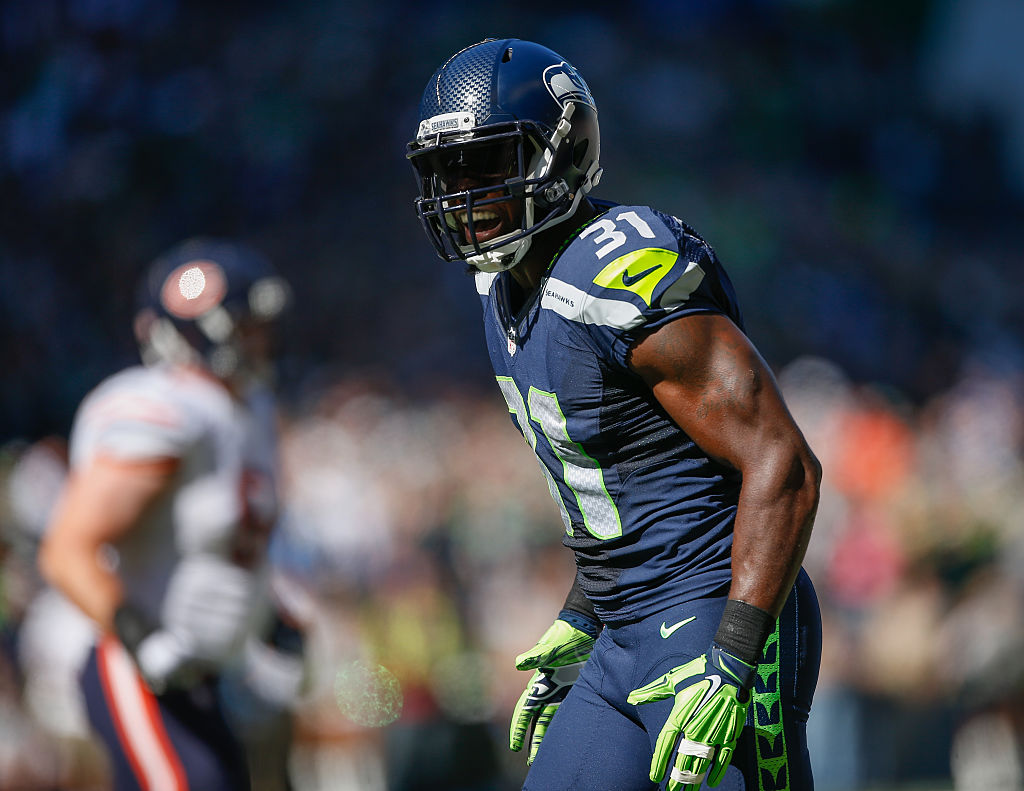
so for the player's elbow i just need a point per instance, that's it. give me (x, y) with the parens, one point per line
(792, 475)
(804, 485)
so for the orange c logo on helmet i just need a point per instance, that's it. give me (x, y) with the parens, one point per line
(193, 289)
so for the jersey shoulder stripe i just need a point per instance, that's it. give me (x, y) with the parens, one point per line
(575, 304)
(621, 313)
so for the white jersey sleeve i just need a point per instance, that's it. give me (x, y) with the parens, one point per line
(135, 415)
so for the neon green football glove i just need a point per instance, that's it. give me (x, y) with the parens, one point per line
(709, 712)
(557, 658)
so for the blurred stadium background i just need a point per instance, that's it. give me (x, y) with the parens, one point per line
(859, 166)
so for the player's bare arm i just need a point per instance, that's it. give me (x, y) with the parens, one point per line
(101, 503)
(711, 380)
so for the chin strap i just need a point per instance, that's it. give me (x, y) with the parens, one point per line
(501, 258)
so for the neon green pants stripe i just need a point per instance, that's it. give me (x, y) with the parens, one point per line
(769, 736)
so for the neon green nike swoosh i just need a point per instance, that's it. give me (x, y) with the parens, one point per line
(666, 631)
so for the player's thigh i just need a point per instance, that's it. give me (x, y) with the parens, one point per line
(211, 753)
(653, 646)
(177, 741)
(591, 745)
(772, 751)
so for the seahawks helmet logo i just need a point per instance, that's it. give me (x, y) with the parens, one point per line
(566, 85)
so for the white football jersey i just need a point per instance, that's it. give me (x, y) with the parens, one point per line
(225, 500)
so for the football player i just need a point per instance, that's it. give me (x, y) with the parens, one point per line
(688, 648)
(160, 532)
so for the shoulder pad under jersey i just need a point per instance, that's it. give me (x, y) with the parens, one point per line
(628, 267)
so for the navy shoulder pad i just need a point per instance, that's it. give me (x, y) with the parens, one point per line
(629, 265)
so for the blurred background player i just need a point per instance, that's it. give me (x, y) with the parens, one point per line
(161, 530)
(687, 491)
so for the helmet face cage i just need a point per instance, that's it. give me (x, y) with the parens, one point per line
(527, 97)
(441, 204)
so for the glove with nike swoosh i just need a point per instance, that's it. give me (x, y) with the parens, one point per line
(712, 694)
(557, 657)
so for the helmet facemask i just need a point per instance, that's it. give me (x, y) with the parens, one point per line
(507, 171)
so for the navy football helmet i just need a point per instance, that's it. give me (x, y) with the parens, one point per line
(504, 122)
(201, 300)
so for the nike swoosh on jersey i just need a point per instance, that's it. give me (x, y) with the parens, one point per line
(666, 630)
(628, 279)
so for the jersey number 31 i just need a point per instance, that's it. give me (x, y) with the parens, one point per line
(580, 473)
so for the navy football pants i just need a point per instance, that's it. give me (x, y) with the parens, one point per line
(598, 742)
(172, 742)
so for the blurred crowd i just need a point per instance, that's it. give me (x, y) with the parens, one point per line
(857, 166)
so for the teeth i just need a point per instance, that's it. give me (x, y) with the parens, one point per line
(478, 215)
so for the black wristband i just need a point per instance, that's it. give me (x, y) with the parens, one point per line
(743, 630)
(577, 600)
(132, 626)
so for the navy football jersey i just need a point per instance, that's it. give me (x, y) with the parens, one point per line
(647, 513)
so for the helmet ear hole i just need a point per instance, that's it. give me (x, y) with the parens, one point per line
(507, 56)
